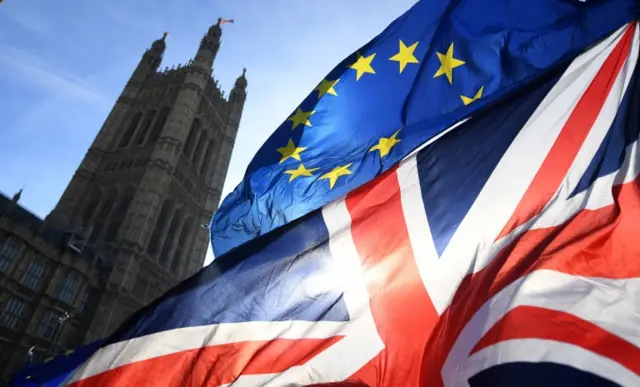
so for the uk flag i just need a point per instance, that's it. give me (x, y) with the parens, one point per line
(503, 253)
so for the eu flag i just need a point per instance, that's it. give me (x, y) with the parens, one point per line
(432, 67)
(54, 371)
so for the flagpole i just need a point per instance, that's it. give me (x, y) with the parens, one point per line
(56, 334)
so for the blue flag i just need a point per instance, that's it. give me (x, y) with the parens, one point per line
(432, 67)
(53, 372)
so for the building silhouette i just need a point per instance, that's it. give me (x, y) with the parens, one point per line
(128, 225)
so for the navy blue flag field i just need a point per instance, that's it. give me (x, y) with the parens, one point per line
(505, 253)
(438, 63)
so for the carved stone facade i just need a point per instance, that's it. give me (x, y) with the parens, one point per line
(151, 178)
(44, 273)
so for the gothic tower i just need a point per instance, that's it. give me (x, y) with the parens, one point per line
(151, 178)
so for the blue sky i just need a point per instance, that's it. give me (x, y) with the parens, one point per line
(63, 64)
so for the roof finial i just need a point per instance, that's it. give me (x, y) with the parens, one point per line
(164, 35)
(17, 196)
(244, 71)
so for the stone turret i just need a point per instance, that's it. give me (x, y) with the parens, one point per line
(158, 178)
(62, 215)
(235, 103)
(209, 46)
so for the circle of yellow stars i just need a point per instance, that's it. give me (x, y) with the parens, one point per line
(364, 65)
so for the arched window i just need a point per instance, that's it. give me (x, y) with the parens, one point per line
(157, 127)
(191, 138)
(101, 218)
(124, 141)
(201, 142)
(168, 241)
(184, 235)
(144, 129)
(206, 161)
(161, 224)
(117, 217)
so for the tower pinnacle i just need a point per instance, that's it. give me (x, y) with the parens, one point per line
(16, 196)
(241, 82)
(239, 92)
(209, 46)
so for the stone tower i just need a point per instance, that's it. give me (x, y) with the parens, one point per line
(151, 178)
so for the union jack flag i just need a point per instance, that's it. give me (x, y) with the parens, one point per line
(504, 252)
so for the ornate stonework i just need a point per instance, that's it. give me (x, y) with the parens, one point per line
(128, 226)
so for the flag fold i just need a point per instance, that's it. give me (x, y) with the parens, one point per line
(503, 253)
(435, 65)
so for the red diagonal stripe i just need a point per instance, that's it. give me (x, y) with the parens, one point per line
(566, 147)
(529, 322)
(595, 243)
(401, 307)
(214, 365)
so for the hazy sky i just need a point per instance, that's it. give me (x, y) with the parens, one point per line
(63, 64)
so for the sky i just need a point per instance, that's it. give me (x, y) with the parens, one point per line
(64, 63)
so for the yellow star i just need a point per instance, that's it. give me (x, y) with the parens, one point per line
(405, 55)
(300, 117)
(290, 151)
(48, 359)
(326, 87)
(447, 64)
(68, 352)
(363, 65)
(467, 100)
(385, 144)
(335, 174)
(301, 171)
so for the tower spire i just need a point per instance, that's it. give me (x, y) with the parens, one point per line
(209, 46)
(153, 56)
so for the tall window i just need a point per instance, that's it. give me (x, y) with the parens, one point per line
(201, 141)
(117, 217)
(90, 209)
(144, 129)
(13, 313)
(101, 218)
(9, 248)
(154, 243)
(207, 157)
(191, 138)
(32, 276)
(182, 240)
(68, 287)
(169, 239)
(49, 324)
(157, 127)
(126, 138)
